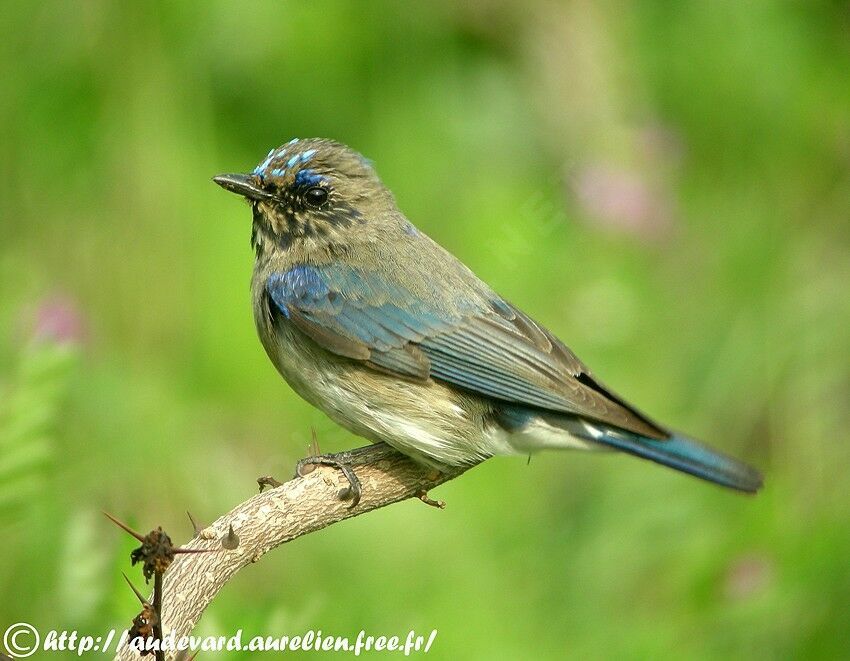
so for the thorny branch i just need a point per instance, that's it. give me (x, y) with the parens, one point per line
(279, 515)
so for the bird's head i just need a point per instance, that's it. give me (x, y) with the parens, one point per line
(312, 193)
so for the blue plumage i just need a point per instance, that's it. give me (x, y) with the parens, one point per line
(308, 178)
(480, 346)
(676, 451)
(394, 338)
(301, 286)
(686, 455)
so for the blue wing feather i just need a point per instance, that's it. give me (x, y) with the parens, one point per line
(490, 348)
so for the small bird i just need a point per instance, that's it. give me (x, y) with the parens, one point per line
(394, 338)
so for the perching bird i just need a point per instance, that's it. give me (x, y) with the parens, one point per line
(388, 333)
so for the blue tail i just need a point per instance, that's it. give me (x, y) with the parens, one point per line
(688, 456)
(676, 451)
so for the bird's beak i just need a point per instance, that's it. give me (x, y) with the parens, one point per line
(242, 184)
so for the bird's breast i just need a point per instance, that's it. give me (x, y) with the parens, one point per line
(428, 420)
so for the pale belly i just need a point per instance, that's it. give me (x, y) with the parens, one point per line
(428, 421)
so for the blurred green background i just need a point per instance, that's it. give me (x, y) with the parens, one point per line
(665, 185)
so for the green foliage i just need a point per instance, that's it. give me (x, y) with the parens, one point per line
(665, 185)
(29, 408)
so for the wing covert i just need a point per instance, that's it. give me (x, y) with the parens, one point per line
(492, 349)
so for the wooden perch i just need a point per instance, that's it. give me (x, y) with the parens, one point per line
(276, 516)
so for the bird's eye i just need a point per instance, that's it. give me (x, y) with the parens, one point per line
(316, 196)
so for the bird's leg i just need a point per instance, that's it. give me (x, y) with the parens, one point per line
(345, 462)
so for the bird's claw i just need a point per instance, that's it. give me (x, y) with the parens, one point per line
(343, 463)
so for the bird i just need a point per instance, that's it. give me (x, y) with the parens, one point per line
(395, 339)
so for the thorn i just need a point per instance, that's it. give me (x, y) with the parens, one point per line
(230, 541)
(313, 448)
(138, 594)
(157, 552)
(195, 525)
(439, 504)
(125, 527)
(268, 481)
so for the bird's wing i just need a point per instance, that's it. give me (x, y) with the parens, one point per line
(489, 348)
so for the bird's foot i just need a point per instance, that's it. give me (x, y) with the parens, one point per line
(342, 462)
(345, 463)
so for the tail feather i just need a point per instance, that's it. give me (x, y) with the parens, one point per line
(686, 455)
(533, 430)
